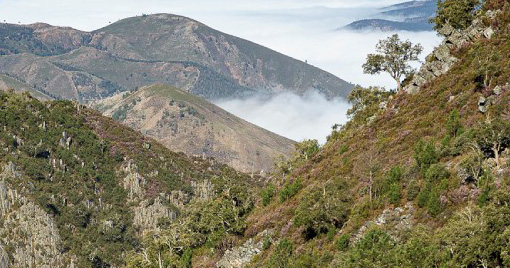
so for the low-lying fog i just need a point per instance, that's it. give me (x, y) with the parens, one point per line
(305, 30)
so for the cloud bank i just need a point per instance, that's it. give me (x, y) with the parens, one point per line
(303, 29)
(290, 115)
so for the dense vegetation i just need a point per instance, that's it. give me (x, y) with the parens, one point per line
(72, 163)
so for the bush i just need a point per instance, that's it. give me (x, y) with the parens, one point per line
(343, 242)
(423, 197)
(453, 125)
(413, 189)
(322, 209)
(434, 203)
(289, 189)
(425, 154)
(282, 254)
(267, 194)
(436, 172)
(394, 194)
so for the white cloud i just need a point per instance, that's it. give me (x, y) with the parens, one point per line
(291, 116)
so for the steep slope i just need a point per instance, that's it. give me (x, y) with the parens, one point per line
(184, 122)
(413, 180)
(79, 190)
(151, 49)
(7, 83)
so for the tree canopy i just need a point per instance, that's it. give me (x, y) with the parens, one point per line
(393, 57)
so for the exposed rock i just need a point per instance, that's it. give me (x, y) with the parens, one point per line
(4, 201)
(482, 105)
(133, 182)
(393, 220)
(203, 190)
(242, 255)
(29, 231)
(65, 141)
(498, 90)
(4, 259)
(147, 215)
(440, 61)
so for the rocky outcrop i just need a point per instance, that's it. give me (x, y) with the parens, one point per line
(4, 259)
(202, 190)
(243, 255)
(133, 182)
(394, 221)
(27, 229)
(149, 213)
(441, 60)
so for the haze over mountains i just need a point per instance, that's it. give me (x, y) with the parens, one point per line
(145, 50)
(407, 16)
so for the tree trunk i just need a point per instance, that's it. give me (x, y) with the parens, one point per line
(399, 85)
(495, 149)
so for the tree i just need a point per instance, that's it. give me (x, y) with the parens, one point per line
(493, 137)
(365, 101)
(393, 58)
(457, 13)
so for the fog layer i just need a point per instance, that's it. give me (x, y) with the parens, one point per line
(290, 115)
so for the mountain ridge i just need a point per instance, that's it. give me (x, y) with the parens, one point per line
(160, 48)
(185, 122)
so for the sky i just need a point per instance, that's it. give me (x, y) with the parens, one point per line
(307, 30)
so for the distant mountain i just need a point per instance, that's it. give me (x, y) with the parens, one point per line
(407, 16)
(187, 123)
(65, 63)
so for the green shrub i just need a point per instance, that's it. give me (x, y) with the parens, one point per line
(423, 197)
(453, 124)
(289, 189)
(282, 255)
(394, 194)
(436, 172)
(458, 13)
(186, 258)
(267, 194)
(434, 203)
(425, 154)
(343, 242)
(323, 209)
(331, 233)
(266, 243)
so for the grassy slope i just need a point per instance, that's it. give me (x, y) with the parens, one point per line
(188, 123)
(391, 139)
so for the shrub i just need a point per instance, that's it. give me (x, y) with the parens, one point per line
(282, 254)
(394, 194)
(434, 203)
(322, 209)
(425, 154)
(289, 189)
(267, 194)
(453, 125)
(343, 242)
(413, 189)
(436, 172)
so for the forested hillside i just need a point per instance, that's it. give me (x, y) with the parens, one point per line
(79, 190)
